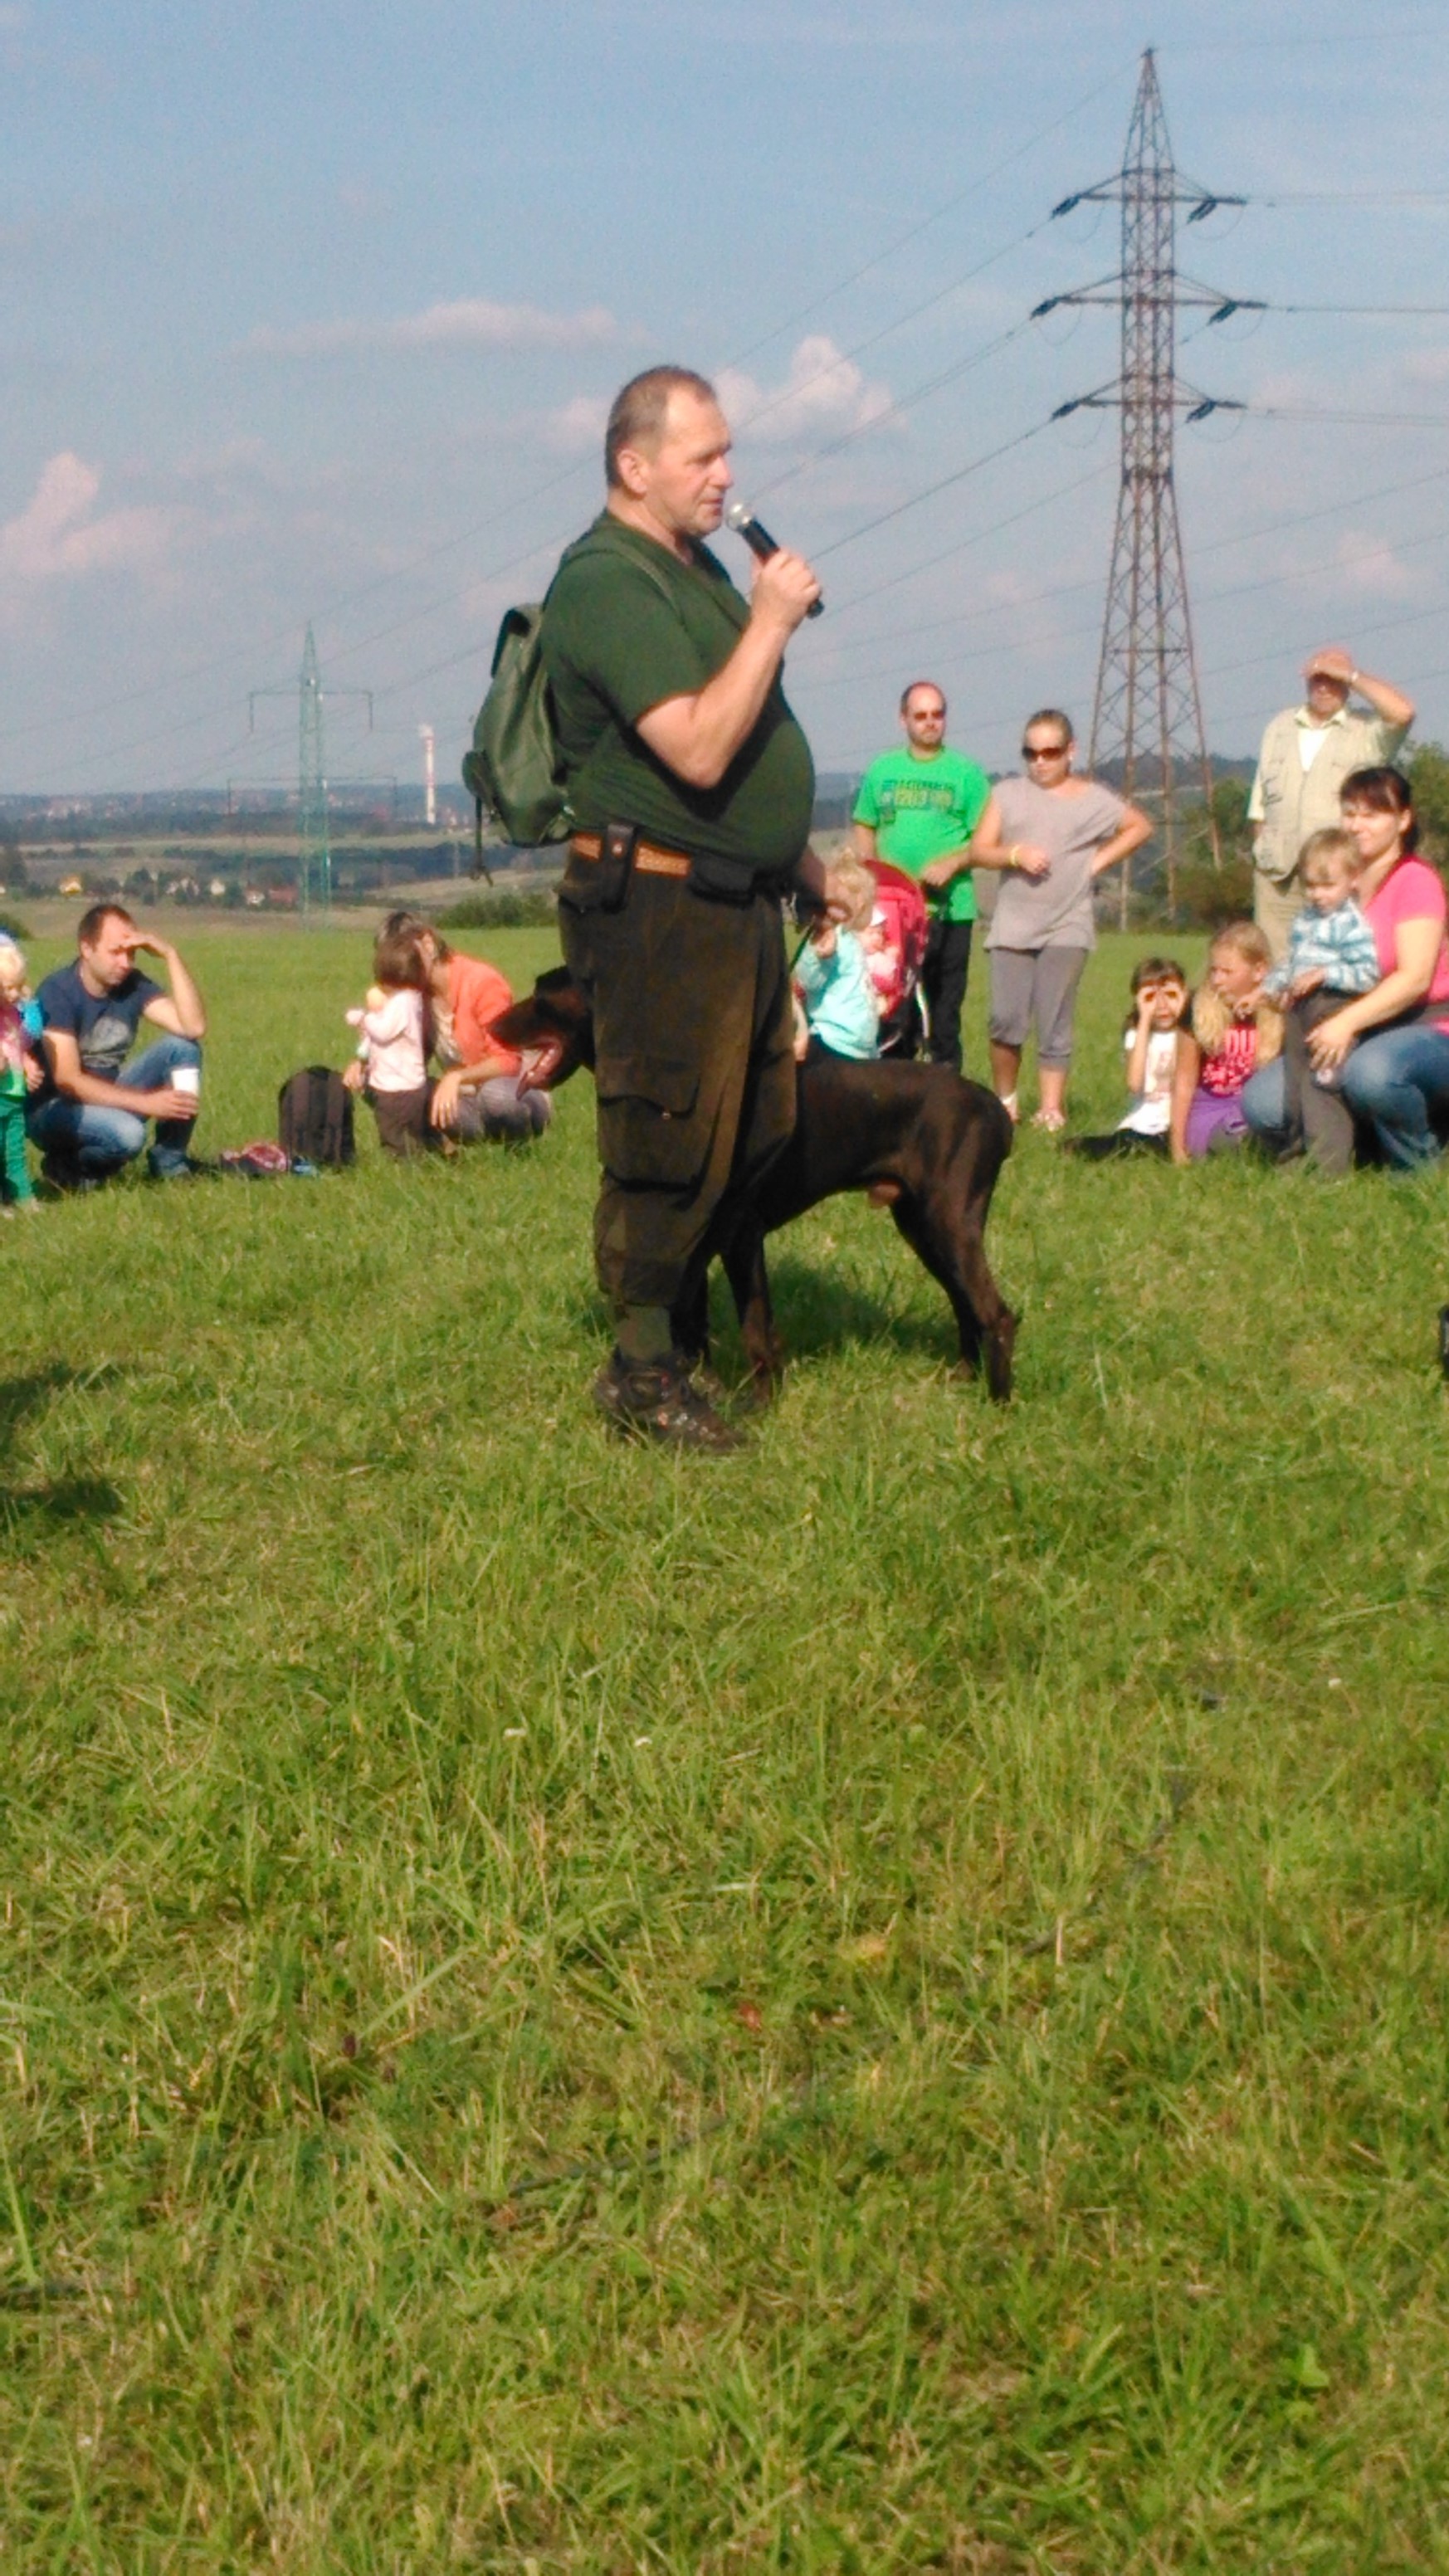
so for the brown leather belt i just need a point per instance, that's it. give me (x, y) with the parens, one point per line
(649, 860)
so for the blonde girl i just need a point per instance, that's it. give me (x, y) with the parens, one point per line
(1234, 1027)
(832, 974)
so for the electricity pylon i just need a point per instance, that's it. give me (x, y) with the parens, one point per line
(1148, 708)
(314, 847)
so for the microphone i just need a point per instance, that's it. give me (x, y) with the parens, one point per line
(759, 540)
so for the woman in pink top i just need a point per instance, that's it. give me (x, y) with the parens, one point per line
(1389, 1047)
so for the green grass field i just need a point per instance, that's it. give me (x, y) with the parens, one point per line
(877, 2004)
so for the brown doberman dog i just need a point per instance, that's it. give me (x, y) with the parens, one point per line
(916, 1137)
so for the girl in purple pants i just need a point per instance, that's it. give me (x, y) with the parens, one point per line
(1233, 1028)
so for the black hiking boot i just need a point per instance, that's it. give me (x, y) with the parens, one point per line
(658, 1400)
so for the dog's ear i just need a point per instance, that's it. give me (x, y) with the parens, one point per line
(521, 1025)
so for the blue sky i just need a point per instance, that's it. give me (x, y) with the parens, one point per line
(315, 314)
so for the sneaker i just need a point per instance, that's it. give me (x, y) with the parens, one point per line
(659, 1401)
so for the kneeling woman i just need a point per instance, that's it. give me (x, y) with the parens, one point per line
(1385, 1055)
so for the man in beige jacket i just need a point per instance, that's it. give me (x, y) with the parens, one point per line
(1307, 753)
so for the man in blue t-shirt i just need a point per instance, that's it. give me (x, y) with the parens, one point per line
(89, 1118)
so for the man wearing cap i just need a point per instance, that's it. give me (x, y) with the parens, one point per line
(1307, 753)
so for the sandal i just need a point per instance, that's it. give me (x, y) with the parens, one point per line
(1051, 1119)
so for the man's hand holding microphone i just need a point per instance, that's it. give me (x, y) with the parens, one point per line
(784, 587)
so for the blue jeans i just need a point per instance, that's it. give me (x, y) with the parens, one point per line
(99, 1140)
(1396, 1083)
(1264, 1102)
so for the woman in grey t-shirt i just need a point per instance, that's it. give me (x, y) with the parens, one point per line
(1052, 834)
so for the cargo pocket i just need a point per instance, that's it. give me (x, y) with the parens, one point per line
(649, 1136)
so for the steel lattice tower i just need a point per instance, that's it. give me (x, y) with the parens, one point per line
(314, 847)
(1148, 709)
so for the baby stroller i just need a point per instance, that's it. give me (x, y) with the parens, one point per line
(900, 911)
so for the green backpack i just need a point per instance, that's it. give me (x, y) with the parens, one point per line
(513, 768)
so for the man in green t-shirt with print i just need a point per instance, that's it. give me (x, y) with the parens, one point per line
(917, 808)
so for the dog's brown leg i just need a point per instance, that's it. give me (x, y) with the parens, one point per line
(744, 1262)
(956, 1256)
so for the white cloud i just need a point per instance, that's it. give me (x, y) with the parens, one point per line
(1369, 564)
(59, 536)
(470, 323)
(578, 425)
(822, 391)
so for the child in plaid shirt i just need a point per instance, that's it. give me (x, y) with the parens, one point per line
(1330, 945)
(1332, 954)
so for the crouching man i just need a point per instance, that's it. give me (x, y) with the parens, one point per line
(89, 1118)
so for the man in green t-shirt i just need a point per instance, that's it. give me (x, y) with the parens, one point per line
(918, 808)
(676, 741)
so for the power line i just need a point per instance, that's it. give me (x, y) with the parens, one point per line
(943, 554)
(1213, 545)
(540, 491)
(1418, 312)
(1346, 419)
(1382, 626)
(915, 230)
(897, 410)
(884, 517)
(1068, 590)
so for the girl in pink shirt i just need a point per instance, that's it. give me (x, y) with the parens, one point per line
(1233, 1029)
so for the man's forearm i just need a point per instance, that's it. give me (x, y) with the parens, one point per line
(485, 1069)
(1388, 703)
(698, 737)
(190, 1008)
(91, 1093)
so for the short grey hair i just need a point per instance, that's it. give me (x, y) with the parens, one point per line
(637, 412)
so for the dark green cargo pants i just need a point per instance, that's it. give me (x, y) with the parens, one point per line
(694, 1067)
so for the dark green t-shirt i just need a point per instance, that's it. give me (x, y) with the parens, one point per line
(626, 626)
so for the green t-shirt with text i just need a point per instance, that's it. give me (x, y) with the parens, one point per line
(627, 625)
(920, 809)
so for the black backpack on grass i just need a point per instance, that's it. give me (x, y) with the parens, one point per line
(314, 1118)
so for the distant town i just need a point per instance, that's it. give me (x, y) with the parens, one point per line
(238, 847)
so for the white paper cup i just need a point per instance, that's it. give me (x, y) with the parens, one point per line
(187, 1078)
